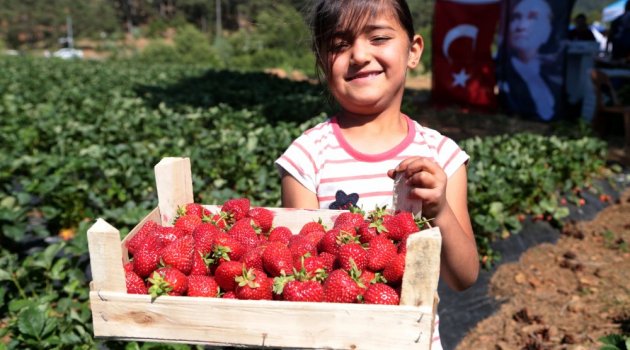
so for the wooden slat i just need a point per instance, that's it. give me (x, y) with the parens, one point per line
(422, 267)
(173, 180)
(106, 257)
(261, 323)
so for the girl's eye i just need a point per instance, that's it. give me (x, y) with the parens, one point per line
(339, 46)
(380, 39)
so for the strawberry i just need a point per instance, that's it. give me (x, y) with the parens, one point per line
(400, 225)
(187, 223)
(367, 277)
(226, 272)
(349, 221)
(219, 220)
(225, 248)
(277, 259)
(204, 235)
(244, 232)
(145, 261)
(253, 284)
(236, 208)
(167, 280)
(135, 284)
(311, 291)
(353, 254)
(253, 257)
(202, 286)
(367, 231)
(380, 253)
(200, 265)
(280, 234)
(334, 239)
(393, 272)
(317, 226)
(330, 261)
(381, 293)
(301, 245)
(262, 217)
(179, 254)
(311, 268)
(193, 209)
(168, 234)
(145, 236)
(128, 266)
(340, 287)
(229, 295)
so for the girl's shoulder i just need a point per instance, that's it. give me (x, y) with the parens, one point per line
(427, 133)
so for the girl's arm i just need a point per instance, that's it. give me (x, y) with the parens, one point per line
(447, 204)
(295, 195)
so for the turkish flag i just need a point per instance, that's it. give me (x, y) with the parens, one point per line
(463, 69)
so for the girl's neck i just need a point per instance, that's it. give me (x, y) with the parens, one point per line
(373, 134)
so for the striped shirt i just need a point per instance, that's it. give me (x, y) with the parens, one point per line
(324, 162)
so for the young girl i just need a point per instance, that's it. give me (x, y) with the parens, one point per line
(364, 49)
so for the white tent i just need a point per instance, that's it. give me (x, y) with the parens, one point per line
(613, 10)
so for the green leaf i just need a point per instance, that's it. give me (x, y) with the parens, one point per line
(4, 275)
(31, 321)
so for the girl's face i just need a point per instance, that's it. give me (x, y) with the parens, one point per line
(368, 70)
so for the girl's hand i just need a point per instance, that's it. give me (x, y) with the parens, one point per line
(428, 181)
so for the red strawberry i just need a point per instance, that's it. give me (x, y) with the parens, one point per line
(244, 232)
(311, 291)
(406, 224)
(229, 295)
(277, 259)
(380, 293)
(253, 284)
(380, 253)
(145, 261)
(263, 218)
(226, 248)
(353, 254)
(330, 261)
(393, 272)
(280, 234)
(179, 254)
(237, 208)
(340, 287)
(193, 209)
(168, 234)
(200, 265)
(128, 266)
(204, 235)
(202, 286)
(135, 284)
(144, 236)
(312, 226)
(334, 239)
(301, 245)
(167, 280)
(367, 277)
(311, 268)
(187, 223)
(367, 231)
(226, 272)
(349, 221)
(219, 220)
(253, 257)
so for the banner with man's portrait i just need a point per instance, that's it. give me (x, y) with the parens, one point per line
(531, 57)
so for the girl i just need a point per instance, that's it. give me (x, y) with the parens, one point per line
(363, 49)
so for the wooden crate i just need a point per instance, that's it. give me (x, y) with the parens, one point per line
(246, 323)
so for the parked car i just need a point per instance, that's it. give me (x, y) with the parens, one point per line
(68, 53)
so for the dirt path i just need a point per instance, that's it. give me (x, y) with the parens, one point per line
(564, 295)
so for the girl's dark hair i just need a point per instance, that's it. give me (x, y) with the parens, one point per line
(329, 17)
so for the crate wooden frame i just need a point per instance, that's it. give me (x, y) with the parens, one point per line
(255, 324)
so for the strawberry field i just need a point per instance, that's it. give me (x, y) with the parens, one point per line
(78, 140)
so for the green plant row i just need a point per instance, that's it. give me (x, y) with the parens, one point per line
(78, 140)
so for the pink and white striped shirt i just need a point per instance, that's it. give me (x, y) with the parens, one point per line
(324, 162)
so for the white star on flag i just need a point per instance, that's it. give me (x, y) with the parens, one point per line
(460, 78)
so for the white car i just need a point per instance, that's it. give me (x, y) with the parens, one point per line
(68, 53)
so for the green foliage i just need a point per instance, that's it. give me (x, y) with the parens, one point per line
(615, 342)
(525, 174)
(191, 47)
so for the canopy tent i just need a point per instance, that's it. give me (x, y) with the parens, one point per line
(613, 10)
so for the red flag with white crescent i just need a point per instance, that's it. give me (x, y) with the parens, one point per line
(463, 69)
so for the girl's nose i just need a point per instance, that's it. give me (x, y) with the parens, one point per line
(360, 53)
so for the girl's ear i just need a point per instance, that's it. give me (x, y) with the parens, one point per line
(415, 51)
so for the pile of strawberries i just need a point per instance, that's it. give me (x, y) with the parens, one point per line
(238, 253)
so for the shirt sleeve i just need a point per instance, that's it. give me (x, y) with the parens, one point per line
(450, 156)
(299, 161)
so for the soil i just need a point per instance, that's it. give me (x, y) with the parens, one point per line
(564, 295)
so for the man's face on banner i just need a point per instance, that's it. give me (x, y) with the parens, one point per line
(530, 25)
